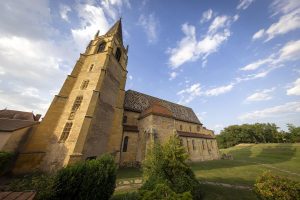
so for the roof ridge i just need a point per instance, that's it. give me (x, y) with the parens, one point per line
(160, 99)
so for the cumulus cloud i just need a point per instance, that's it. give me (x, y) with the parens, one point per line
(63, 11)
(244, 4)
(262, 95)
(295, 89)
(276, 111)
(150, 25)
(206, 16)
(189, 48)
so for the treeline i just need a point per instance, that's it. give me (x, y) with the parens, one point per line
(257, 133)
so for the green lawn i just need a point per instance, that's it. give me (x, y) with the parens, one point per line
(248, 163)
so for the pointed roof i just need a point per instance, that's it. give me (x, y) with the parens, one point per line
(116, 29)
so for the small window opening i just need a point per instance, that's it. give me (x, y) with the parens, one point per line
(66, 131)
(180, 127)
(101, 47)
(118, 54)
(203, 147)
(84, 84)
(198, 128)
(91, 67)
(77, 103)
(125, 144)
(193, 143)
(91, 158)
(124, 119)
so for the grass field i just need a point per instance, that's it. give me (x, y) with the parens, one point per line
(248, 163)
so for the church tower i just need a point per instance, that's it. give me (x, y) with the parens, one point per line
(85, 119)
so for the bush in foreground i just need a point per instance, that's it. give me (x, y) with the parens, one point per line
(6, 159)
(272, 187)
(165, 168)
(95, 179)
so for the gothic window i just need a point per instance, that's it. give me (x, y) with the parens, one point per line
(84, 84)
(101, 47)
(66, 131)
(125, 144)
(77, 103)
(198, 128)
(72, 115)
(124, 119)
(180, 127)
(118, 54)
(91, 67)
(193, 143)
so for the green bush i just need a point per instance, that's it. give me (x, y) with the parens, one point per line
(6, 159)
(167, 165)
(40, 183)
(272, 187)
(126, 196)
(95, 179)
(162, 191)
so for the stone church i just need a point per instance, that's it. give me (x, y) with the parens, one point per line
(93, 114)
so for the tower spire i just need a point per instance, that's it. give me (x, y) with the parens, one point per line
(116, 29)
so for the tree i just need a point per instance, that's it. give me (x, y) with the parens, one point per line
(166, 165)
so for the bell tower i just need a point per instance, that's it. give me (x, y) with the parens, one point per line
(85, 119)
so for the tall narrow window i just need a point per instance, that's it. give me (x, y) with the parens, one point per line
(77, 103)
(187, 144)
(84, 84)
(118, 54)
(91, 67)
(190, 129)
(193, 143)
(66, 131)
(203, 147)
(180, 127)
(125, 144)
(198, 128)
(124, 119)
(181, 142)
(101, 47)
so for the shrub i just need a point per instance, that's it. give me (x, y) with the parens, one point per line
(40, 183)
(167, 165)
(126, 196)
(95, 179)
(162, 191)
(272, 187)
(6, 159)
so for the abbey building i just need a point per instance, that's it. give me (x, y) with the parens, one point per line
(93, 114)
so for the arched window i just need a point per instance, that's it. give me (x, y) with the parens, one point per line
(91, 67)
(101, 47)
(66, 132)
(118, 54)
(125, 144)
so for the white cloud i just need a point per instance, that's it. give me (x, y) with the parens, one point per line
(30, 92)
(289, 21)
(284, 6)
(258, 34)
(130, 77)
(276, 111)
(219, 90)
(289, 52)
(63, 11)
(206, 16)
(150, 26)
(173, 75)
(244, 4)
(190, 49)
(189, 94)
(262, 95)
(295, 89)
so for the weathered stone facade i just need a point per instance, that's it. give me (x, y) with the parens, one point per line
(87, 117)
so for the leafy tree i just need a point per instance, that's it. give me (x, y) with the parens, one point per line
(167, 165)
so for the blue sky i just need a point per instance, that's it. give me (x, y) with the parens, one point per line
(235, 62)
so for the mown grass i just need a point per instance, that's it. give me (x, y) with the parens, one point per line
(249, 161)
